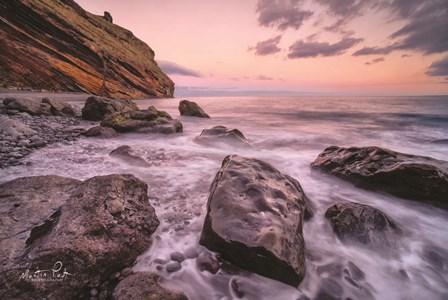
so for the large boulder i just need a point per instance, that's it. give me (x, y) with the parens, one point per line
(14, 128)
(32, 107)
(192, 109)
(408, 176)
(254, 219)
(62, 238)
(222, 135)
(363, 224)
(144, 285)
(150, 120)
(96, 108)
(60, 108)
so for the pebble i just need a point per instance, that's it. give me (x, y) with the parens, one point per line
(93, 292)
(173, 267)
(177, 256)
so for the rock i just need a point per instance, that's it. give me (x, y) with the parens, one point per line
(33, 107)
(221, 134)
(362, 223)
(173, 267)
(60, 108)
(407, 176)
(192, 109)
(96, 108)
(85, 230)
(58, 46)
(207, 262)
(191, 253)
(254, 219)
(150, 120)
(14, 128)
(129, 155)
(144, 285)
(108, 17)
(101, 132)
(177, 256)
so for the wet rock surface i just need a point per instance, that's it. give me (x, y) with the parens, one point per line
(407, 176)
(150, 120)
(87, 231)
(21, 133)
(101, 132)
(192, 109)
(222, 134)
(126, 153)
(362, 223)
(96, 108)
(254, 219)
(144, 285)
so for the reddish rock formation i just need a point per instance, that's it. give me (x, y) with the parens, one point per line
(56, 45)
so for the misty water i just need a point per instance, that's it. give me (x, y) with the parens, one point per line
(289, 133)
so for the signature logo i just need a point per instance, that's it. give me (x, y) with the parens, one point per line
(56, 273)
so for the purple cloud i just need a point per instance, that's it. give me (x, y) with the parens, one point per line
(267, 47)
(439, 68)
(282, 14)
(301, 49)
(172, 68)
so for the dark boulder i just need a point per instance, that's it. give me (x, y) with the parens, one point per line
(407, 176)
(192, 109)
(254, 219)
(144, 285)
(362, 223)
(150, 120)
(222, 134)
(129, 155)
(60, 108)
(96, 108)
(101, 132)
(108, 17)
(86, 231)
(32, 107)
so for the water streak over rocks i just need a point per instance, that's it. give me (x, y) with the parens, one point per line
(254, 219)
(408, 176)
(94, 228)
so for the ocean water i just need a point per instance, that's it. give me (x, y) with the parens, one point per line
(289, 133)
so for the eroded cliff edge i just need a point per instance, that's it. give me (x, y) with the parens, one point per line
(56, 45)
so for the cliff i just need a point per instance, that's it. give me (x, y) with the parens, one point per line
(56, 45)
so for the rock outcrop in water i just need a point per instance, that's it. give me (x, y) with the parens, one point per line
(192, 109)
(408, 176)
(85, 231)
(101, 132)
(56, 45)
(222, 134)
(150, 120)
(363, 224)
(254, 219)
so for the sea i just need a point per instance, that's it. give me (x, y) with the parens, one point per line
(289, 133)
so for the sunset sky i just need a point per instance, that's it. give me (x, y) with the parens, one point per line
(235, 47)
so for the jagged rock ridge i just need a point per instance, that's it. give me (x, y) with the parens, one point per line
(56, 45)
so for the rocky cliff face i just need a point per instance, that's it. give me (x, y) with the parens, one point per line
(56, 45)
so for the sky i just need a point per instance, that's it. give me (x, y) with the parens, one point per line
(292, 47)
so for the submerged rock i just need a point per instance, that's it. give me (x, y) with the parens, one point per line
(101, 132)
(408, 176)
(85, 230)
(192, 109)
(254, 219)
(362, 223)
(150, 120)
(144, 285)
(96, 108)
(129, 155)
(222, 134)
